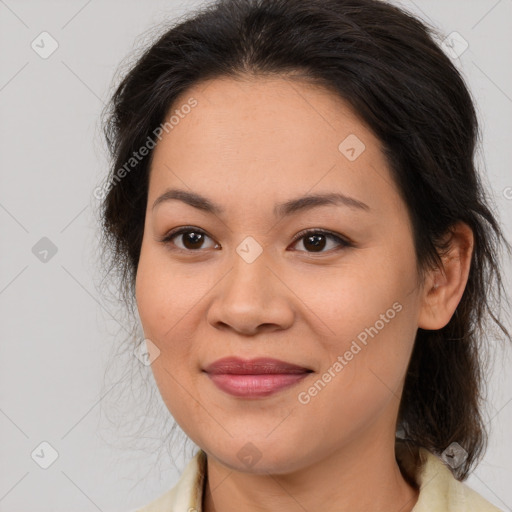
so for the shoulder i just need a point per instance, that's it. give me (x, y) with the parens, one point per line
(186, 494)
(439, 489)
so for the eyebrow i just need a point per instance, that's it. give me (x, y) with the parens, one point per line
(287, 208)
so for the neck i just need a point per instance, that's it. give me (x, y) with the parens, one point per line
(365, 477)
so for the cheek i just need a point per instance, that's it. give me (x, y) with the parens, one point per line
(168, 297)
(163, 301)
(365, 290)
(362, 371)
(160, 306)
(164, 294)
(365, 321)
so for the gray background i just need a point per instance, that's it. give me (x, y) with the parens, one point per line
(57, 331)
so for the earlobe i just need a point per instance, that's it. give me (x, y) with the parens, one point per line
(444, 287)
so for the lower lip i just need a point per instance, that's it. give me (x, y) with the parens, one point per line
(255, 385)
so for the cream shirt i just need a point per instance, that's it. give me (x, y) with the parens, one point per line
(439, 490)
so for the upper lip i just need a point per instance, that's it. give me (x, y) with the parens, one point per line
(261, 365)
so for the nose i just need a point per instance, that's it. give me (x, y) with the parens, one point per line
(251, 298)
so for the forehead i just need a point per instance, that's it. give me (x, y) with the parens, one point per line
(273, 136)
(285, 113)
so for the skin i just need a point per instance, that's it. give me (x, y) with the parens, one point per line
(247, 145)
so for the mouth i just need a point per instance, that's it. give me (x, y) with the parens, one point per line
(256, 378)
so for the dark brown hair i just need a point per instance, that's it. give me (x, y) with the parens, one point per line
(386, 64)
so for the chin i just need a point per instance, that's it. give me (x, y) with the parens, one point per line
(257, 457)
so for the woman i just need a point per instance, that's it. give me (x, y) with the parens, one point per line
(294, 206)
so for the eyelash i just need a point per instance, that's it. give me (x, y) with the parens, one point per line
(166, 240)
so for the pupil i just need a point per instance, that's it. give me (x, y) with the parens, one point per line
(317, 245)
(194, 238)
(317, 242)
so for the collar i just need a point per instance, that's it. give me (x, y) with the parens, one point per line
(439, 490)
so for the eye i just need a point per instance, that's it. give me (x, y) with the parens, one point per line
(315, 239)
(192, 238)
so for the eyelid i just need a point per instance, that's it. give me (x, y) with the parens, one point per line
(166, 239)
(343, 242)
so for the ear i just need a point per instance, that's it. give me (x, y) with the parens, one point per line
(444, 287)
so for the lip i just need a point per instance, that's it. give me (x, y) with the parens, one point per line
(256, 378)
(258, 366)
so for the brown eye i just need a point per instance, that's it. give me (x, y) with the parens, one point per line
(192, 239)
(316, 240)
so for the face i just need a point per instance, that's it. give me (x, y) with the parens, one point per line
(244, 280)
